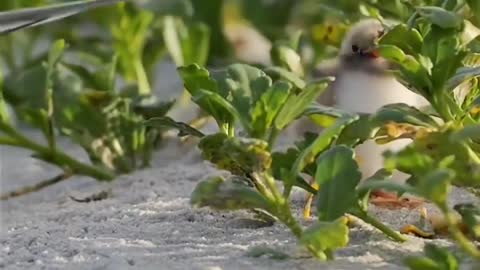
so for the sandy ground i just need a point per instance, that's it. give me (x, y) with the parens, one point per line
(147, 223)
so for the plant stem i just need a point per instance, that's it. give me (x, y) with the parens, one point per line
(57, 157)
(39, 186)
(272, 137)
(144, 88)
(379, 225)
(289, 220)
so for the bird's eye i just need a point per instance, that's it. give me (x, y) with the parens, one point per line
(355, 48)
(381, 33)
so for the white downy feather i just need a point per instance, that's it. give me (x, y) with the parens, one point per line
(366, 93)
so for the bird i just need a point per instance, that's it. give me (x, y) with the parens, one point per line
(14, 20)
(363, 84)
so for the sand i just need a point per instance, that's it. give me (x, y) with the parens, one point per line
(148, 223)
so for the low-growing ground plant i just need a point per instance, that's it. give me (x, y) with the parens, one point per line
(252, 106)
(98, 92)
(61, 98)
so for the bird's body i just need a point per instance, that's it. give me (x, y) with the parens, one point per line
(15, 20)
(364, 84)
(363, 91)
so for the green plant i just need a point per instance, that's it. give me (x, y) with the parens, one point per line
(251, 108)
(62, 98)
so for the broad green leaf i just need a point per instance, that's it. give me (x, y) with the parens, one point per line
(475, 6)
(435, 186)
(386, 185)
(409, 40)
(281, 165)
(167, 122)
(358, 131)
(231, 194)
(220, 104)
(323, 116)
(393, 53)
(196, 77)
(471, 132)
(197, 81)
(268, 106)
(325, 237)
(288, 58)
(338, 176)
(296, 104)
(320, 144)
(150, 106)
(436, 258)
(440, 17)
(462, 75)
(237, 155)
(244, 85)
(470, 216)
(286, 75)
(404, 114)
(411, 72)
(187, 44)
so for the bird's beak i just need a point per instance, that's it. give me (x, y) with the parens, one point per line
(372, 52)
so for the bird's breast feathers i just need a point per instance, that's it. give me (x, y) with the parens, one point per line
(359, 91)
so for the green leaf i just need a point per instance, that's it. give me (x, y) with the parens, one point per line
(187, 44)
(326, 237)
(320, 144)
(286, 57)
(437, 258)
(286, 75)
(297, 104)
(324, 116)
(462, 75)
(404, 114)
(471, 132)
(440, 17)
(281, 165)
(268, 106)
(393, 53)
(422, 263)
(4, 116)
(338, 176)
(475, 6)
(232, 194)
(470, 216)
(220, 104)
(435, 186)
(151, 106)
(197, 81)
(167, 122)
(240, 156)
(358, 131)
(409, 40)
(245, 84)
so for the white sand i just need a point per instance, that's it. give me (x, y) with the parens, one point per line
(148, 223)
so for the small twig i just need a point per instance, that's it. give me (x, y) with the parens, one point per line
(93, 198)
(36, 187)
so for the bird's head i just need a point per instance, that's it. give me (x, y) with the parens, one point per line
(362, 39)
